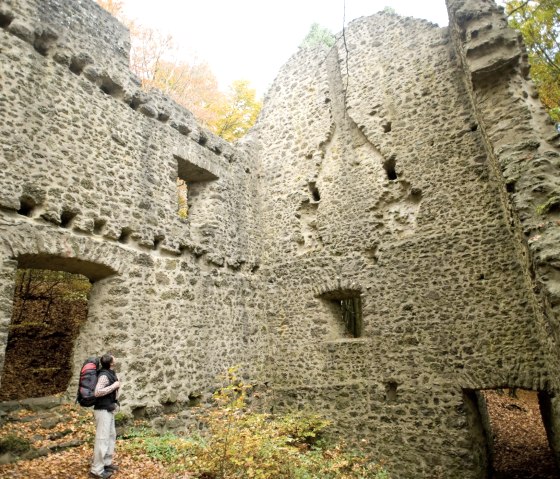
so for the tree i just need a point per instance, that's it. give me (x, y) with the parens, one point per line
(239, 113)
(538, 21)
(114, 7)
(192, 85)
(318, 35)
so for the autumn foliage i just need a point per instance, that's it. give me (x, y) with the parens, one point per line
(538, 21)
(229, 442)
(192, 84)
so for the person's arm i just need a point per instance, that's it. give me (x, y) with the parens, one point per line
(103, 387)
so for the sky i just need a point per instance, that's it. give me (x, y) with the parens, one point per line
(252, 39)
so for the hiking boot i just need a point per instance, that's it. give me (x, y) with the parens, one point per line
(103, 475)
(112, 468)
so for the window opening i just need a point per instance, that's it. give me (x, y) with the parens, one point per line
(188, 174)
(314, 191)
(389, 167)
(352, 316)
(346, 307)
(182, 192)
(27, 205)
(391, 391)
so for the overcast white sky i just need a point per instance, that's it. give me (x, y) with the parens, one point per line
(252, 39)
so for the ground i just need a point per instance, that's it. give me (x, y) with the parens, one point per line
(62, 438)
(520, 443)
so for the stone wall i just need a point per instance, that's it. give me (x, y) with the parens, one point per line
(387, 189)
(88, 184)
(403, 169)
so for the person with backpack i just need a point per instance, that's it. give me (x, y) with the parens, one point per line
(106, 404)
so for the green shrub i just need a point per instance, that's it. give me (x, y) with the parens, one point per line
(238, 443)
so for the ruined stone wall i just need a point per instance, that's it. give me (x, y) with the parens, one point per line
(392, 168)
(378, 182)
(88, 173)
(524, 151)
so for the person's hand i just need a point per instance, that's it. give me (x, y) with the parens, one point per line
(118, 384)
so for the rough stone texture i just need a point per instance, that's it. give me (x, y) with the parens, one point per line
(410, 166)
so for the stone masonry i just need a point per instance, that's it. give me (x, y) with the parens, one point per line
(409, 170)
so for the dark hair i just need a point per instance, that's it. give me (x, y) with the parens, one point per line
(106, 361)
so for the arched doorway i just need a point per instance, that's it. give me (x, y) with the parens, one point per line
(49, 307)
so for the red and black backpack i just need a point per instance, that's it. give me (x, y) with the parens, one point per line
(88, 381)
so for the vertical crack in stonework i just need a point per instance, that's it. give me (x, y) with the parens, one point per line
(397, 204)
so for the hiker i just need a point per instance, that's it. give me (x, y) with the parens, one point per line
(106, 404)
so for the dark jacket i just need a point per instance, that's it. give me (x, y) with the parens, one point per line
(109, 401)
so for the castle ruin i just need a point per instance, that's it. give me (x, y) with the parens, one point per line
(382, 246)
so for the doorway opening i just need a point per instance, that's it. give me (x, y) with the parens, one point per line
(48, 310)
(510, 430)
(49, 307)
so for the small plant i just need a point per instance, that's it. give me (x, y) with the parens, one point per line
(236, 442)
(553, 203)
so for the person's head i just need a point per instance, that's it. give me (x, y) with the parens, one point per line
(107, 361)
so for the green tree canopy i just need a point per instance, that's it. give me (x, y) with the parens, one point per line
(318, 35)
(538, 21)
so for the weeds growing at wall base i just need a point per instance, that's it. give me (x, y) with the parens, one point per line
(237, 443)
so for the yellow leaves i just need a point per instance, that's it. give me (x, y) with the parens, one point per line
(239, 112)
(191, 84)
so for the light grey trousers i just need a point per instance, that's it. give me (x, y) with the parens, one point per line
(105, 437)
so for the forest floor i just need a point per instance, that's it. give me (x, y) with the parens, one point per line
(520, 443)
(63, 439)
(58, 444)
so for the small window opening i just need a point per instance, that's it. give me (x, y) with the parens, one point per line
(391, 391)
(386, 127)
(125, 235)
(346, 307)
(27, 205)
(98, 226)
(66, 218)
(191, 182)
(474, 127)
(351, 310)
(182, 196)
(510, 187)
(5, 19)
(314, 191)
(389, 167)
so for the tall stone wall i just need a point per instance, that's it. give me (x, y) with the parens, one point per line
(407, 169)
(88, 175)
(380, 183)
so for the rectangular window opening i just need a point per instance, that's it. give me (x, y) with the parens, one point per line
(351, 313)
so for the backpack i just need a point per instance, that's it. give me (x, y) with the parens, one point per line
(88, 381)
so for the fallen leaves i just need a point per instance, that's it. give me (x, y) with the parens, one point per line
(520, 444)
